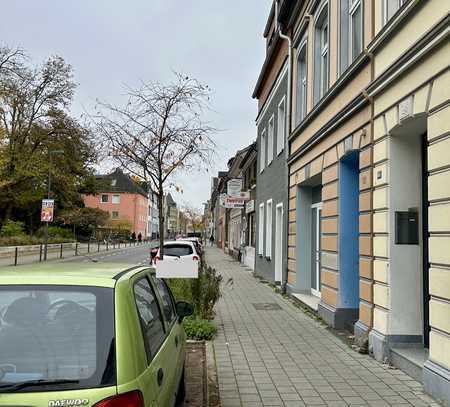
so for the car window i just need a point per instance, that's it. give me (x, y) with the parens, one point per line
(57, 332)
(150, 317)
(167, 302)
(178, 250)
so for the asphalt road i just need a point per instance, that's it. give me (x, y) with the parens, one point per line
(131, 255)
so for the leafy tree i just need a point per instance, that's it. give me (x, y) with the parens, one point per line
(87, 219)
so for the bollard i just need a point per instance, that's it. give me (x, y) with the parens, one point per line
(40, 253)
(89, 246)
(119, 244)
(76, 249)
(98, 246)
(60, 251)
(107, 245)
(15, 256)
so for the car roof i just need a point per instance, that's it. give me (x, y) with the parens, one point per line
(81, 274)
(172, 242)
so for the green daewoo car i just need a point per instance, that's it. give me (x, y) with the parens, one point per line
(90, 334)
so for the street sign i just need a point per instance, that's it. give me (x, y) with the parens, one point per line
(250, 206)
(47, 210)
(234, 187)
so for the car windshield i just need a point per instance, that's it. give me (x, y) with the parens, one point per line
(56, 337)
(178, 250)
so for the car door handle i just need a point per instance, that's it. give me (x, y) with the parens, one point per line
(160, 376)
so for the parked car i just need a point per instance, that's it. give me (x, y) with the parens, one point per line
(89, 334)
(197, 242)
(180, 250)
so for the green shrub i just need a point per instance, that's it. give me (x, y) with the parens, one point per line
(199, 329)
(56, 232)
(12, 229)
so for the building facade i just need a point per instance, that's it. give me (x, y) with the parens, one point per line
(153, 216)
(369, 175)
(123, 199)
(272, 192)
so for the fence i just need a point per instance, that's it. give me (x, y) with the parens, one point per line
(15, 255)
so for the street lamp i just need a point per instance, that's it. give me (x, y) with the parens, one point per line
(49, 181)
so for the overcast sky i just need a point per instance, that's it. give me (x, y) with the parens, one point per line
(112, 42)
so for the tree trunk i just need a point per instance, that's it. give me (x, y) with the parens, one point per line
(161, 222)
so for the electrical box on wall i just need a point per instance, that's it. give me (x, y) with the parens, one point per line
(407, 227)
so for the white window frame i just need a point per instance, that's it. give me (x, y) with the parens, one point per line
(270, 139)
(262, 156)
(261, 229)
(302, 82)
(400, 3)
(269, 227)
(113, 200)
(115, 217)
(281, 124)
(353, 7)
(101, 198)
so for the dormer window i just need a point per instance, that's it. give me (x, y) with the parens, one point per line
(113, 182)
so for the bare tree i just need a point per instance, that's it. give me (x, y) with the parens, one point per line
(159, 132)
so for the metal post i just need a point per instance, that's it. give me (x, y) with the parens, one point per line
(60, 251)
(89, 246)
(76, 249)
(15, 255)
(40, 252)
(98, 246)
(107, 245)
(119, 244)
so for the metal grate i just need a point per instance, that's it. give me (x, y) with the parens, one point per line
(266, 306)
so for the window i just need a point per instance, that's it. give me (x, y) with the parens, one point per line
(261, 230)
(270, 141)
(321, 59)
(113, 182)
(262, 156)
(390, 7)
(167, 300)
(302, 85)
(104, 198)
(178, 250)
(269, 229)
(115, 214)
(350, 37)
(149, 316)
(54, 332)
(281, 131)
(115, 199)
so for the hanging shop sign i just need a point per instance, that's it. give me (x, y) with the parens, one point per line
(234, 187)
(47, 208)
(250, 206)
(231, 203)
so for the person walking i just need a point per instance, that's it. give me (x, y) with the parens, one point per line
(140, 237)
(211, 240)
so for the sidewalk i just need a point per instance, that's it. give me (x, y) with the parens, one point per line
(269, 353)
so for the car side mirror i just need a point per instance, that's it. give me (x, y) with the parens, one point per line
(184, 309)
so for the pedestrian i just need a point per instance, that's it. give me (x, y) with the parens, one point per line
(211, 240)
(133, 236)
(140, 237)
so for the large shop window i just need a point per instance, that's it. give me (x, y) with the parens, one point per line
(351, 29)
(262, 157)
(302, 84)
(269, 229)
(261, 230)
(321, 54)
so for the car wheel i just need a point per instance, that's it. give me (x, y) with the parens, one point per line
(181, 392)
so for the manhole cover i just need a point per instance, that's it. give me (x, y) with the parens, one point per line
(266, 306)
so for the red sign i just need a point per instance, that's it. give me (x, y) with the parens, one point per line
(47, 210)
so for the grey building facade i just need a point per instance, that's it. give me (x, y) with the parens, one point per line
(272, 180)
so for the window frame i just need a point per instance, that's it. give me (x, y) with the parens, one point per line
(281, 126)
(150, 356)
(262, 158)
(261, 216)
(302, 82)
(386, 18)
(324, 76)
(269, 227)
(115, 217)
(115, 196)
(270, 139)
(353, 7)
(155, 280)
(321, 52)
(102, 196)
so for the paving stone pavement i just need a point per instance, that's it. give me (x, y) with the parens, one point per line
(285, 358)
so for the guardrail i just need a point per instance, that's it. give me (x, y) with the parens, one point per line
(15, 255)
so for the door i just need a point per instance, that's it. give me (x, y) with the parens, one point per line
(316, 211)
(279, 242)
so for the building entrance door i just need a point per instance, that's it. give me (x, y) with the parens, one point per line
(315, 248)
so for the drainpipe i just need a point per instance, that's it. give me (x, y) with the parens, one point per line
(286, 145)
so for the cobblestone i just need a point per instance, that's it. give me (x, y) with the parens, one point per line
(285, 358)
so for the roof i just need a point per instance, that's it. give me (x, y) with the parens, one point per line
(252, 149)
(123, 183)
(73, 274)
(269, 20)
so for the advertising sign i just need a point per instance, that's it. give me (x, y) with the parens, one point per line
(250, 206)
(231, 202)
(47, 210)
(234, 187)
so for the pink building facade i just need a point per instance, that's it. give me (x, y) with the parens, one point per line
(123, 199)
